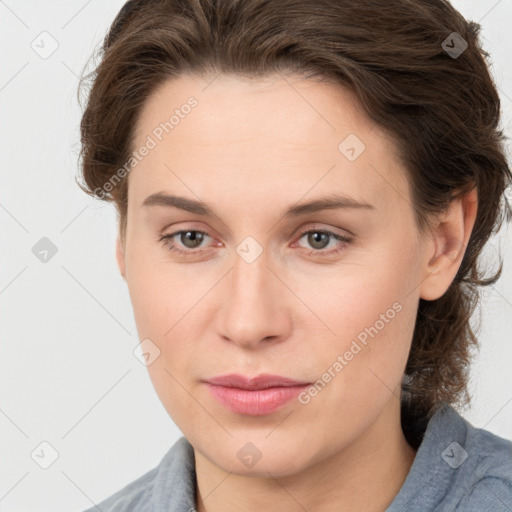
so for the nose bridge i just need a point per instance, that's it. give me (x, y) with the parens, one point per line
(254, 308)
(250, 279)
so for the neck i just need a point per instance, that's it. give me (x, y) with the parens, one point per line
(366, 475)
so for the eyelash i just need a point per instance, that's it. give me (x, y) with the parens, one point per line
(166, 241)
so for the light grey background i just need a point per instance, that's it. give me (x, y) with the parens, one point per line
(67, 372)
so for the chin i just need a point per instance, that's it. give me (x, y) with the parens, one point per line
(258, 459)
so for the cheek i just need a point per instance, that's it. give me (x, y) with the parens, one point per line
(355, 299)
(164, 306)
(168, 302)
(160, 292)
(372, 312)
(360, 369)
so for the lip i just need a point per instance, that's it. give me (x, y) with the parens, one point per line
(254, 396)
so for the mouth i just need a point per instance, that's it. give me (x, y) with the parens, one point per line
(256, 396)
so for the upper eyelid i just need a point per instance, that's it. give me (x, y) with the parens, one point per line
(315, 226)
(298, 234)
(301, 232)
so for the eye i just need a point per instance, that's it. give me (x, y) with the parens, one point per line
(190, 238)
(319, 239)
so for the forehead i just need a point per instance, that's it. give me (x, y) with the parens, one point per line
(263, 139)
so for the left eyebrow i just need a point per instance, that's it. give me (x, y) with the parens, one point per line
(183, 203)
(329, 202)
(199, 208)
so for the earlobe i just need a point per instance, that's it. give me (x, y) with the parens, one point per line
(447, 246)
(120, 257)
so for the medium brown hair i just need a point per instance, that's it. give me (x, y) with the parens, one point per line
(441, 111)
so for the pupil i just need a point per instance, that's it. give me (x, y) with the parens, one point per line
(194, 236)
(313, 239)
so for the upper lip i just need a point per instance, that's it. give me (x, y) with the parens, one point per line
(262, 381)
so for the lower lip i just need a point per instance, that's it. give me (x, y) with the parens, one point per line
(255, 403)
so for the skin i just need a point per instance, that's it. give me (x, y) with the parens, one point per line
(250, 149)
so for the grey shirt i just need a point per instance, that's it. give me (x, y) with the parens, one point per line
(457, 468)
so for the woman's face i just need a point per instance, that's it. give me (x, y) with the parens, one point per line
(265, 291)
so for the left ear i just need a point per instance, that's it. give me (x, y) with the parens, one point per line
(448, 244)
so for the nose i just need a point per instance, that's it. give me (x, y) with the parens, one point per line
(254, 309)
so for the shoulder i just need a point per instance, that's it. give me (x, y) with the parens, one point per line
(169, 485)
(488, 494)
(491, 454)
(479, 462)
(134, 496)
(457, 468)
(490, 487)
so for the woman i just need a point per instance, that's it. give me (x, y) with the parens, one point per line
(304, 190)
